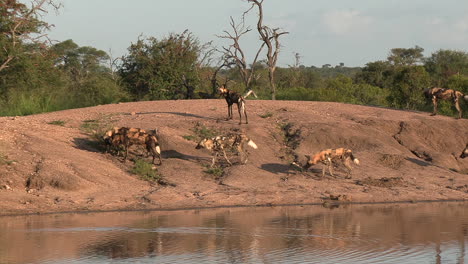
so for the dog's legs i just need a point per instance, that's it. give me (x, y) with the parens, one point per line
(330, 167)
(214, 159)
(230, 112)
(243, 156)
(126, 151)
(348, 167)
(434, 102)
(160, 160)
(245, 112)
(457, 106)
(154, 157)
(239, 106)
(225, 156)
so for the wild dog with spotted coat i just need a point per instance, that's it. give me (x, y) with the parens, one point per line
(220, 144)
(438, 93)
(235, 98)
(328, 156)
(124, 137)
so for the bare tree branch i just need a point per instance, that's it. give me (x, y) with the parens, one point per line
(270, 38)
(21, 23)
(235, 54)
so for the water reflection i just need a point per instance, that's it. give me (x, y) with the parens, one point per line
(405, 233)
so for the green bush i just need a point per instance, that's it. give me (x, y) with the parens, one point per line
(145, 171)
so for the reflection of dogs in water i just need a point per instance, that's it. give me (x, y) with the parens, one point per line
(328, 156)
(437, 94)
(464, 153)
(124, 137)
(235, 98)
(220, 144)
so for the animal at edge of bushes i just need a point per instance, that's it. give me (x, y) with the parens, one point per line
(219, 144)
(437, 93)
(233, 97)
(124, 137)
(328, 156)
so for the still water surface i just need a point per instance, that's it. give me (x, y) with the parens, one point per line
(398, 233)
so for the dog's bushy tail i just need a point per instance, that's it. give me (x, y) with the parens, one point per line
(354, 159)
(252, 144)
(249, 93)
(349, 154)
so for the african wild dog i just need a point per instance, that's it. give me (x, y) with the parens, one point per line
(219, 144)
(437, 94)
(464, 153)
(113, 140)
(235, 98)
(329, 155)
(124, 137)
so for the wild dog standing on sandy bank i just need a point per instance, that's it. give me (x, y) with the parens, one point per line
(125, 137)
(329, 155)
(437, 94)
(221, 143)
(464, 153)
(235, 98)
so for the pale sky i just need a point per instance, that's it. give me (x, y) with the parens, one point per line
(321, 31)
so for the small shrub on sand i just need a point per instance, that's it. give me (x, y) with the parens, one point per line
(57, 123)
(145, 171)
(200, 132)
(215, 172)
(266, 115)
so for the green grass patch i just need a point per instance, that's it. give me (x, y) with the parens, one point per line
(90, 125)
(266, 115)
(200, 131)
(215, 172)
(97, 126)
(4, 160)
(189, 137)
(145, 171)
(57, 123)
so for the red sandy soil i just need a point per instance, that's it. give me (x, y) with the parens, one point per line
(52, 162)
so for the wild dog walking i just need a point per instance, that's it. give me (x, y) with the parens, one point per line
(329, 155)
(124, 137)
(464, 153)
(437, 94)
(219, 144)
(235, 98)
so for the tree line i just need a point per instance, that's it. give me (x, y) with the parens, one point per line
(39, 75)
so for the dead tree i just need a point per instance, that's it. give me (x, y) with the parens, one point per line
(235, 55)
(270, 38)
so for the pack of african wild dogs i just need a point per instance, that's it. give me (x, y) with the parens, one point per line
(119, 139)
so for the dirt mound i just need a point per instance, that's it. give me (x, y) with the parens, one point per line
(55, 161)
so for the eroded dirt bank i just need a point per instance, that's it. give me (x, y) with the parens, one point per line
(51, 162)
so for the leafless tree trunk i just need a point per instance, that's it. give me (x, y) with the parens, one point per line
(23, 24)
(236, 55)
(270, 38)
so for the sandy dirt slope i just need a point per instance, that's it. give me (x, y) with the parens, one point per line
(51, 162)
